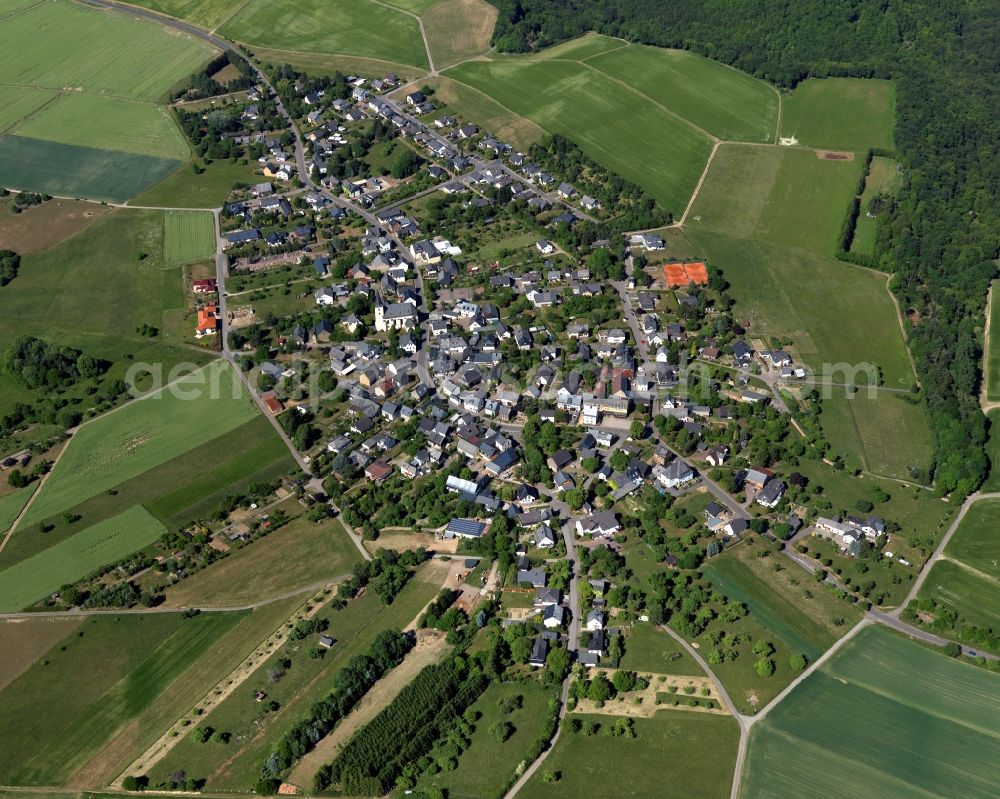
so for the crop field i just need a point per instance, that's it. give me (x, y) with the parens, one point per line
(237, 766)
(675, 755)
(884, 177)
(477, 107)
(930, 728)
(582, 48)
(841, 113)
(17, 103)
(884, 434)
(207, 14)
(613, 124)
(65, 707)
(188, 236)
(12, 504)
(182, 188)
(127, 442)
(68, 561)
(976, 542)
(774, 194)
(805, 623)
(725, 102)
(792, 293)
(975, 598)
(458, 29)
(418, 7)
(350, 27)
(70, 43)
(308, 552)
(487, 763)
(23, 641)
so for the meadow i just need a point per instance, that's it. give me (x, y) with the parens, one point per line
(992, 364)
(236, 767)
(41, 227)
(727, 103)
(182, 188)
(675, 755)
(208, 14)
(488, 764)
(807, 298)
(930, 728)
(307, 551)
(32, 579)
(17, 103)
(885, 434)
(65, 707)
(12, 504)
(975, 598)
(613, 124)
(647, 648)
(23, 641)
(841, 113)
(350, 27)
(776, 194)
(993, 451)
(458, 29)
(976, 542)
(142, 435)
(188, 236)
(884, 177)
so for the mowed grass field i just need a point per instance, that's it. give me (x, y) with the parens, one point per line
(841, 113)
(777, 194)
(188, 236)
(930, 728)
(350, 27)
(993, 451)
(974, 597)
(128, 442)
(33, 579)
(992, 361)
(647, 648)
(298, 554)
(833, 313)
(976, 542)
(458, 29)
(884, 434)
(727, 103)
(207, 14)
(613, 124)
(184, 189)
(60, 712)
(675, 755)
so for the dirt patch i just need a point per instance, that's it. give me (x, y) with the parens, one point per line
(403, 541)
(833, 155)
(642, 704)
(430, 648)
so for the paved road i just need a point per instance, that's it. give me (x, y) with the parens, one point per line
(629, 315)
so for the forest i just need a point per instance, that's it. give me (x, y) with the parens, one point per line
(940, 237)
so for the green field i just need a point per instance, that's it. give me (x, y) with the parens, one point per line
(64, 708)
(473, 105)
(12, 504)
(884, 434)
(487, 764)
(92, 121)
(930, 728)
(30, 580)
(613, 124)
(976, 542)
(127, 442)
(775, 194)
(675, 755)
(650, 649)
(808, 298)
(884, 177)
(841, 113)
(351, 27)
(188, 236)
(727, 103)
(992, 364)
(182, 188)
(17, 102)
(993, 451)
(974, 598)
(581, 49)
(205, 13)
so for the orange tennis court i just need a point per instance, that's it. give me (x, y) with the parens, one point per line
(678, 275)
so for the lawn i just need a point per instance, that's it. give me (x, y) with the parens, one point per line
(61, 711)
(782, 598)
(613, 124)
(41, 227)
(780, 195)
(726, 102)
(675, 755)
(794, 294)
(458, 29)
(32, 579)
(107, 123)
(975, 599)
(188, 236)
(841, 113)
(350, 27)
(488, 764)
(237, 766)
(474, 106)
(182, 188)
(207, 14)
(976, 542)
(12, 504)
(648, 648)
(930, 728)
(306, 551)
(884, 177)
(127, 442)
(23, 641)
(886, 434)
(992, 365)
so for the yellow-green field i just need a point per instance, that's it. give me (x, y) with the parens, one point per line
(205, 13)
(841, 113)
(458, 29)
(188, 236)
